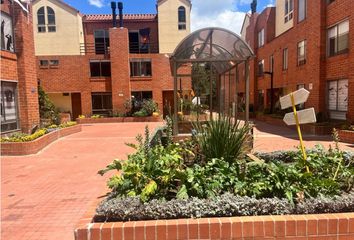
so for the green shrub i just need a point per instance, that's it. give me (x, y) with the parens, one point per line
(141, 113)
(68, 124)
(24, 137)
(149, 106)
(47, 110)
(222, 138)
(96, 116)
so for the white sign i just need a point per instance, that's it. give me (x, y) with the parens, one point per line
(304, 116)
(300, 96)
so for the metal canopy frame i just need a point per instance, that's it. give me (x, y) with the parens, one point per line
(223, 49)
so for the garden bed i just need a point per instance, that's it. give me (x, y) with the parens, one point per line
(117, 119)
(32, 147)
(346, 136)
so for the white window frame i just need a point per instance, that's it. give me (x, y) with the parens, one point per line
(285, 59)
(261, 38)
(337, 34)
(288, 10)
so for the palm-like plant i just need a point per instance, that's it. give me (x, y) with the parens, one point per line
(222, 138)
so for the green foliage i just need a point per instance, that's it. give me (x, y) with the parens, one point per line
(149, 106)
(47, 110)
(140, 113)
(151, 172)
(96, 116)
(222, 138)
(68, 124)
(21, 137)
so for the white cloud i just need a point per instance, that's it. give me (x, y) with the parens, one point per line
(96, 3)
(211, 13)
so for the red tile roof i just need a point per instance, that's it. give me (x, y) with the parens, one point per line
(108, 17)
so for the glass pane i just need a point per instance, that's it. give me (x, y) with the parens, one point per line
(41, 19)
(343, 95)
(343, 27)
(99, 33)
(106, 69)
(96, 102)
(51, 19)
(332, 95)
(343, 42)
(302, 10)
(332, 46)
(146, 95)
(50, 10)
(95, 69)
(146, 68)
(52, 28)
(54, 62)
(107, 101)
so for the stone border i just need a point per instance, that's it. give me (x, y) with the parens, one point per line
(32, 147)
(117, 120)
(299, 227)
(346, 136)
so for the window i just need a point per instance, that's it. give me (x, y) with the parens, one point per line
(338, 39)
(338, 99)
(289, 7)
(260, 68)
(261, 38)
(101, 41)
(43, 63)
(285, 59)
(301, 15)
(271, 63)
(140, 67)
(139, 41)
(51, 20)
(41, 20)
(9, 106)
(139, 97)
(182, 18)
(7, 35)
(301, 53)
(100, 68)
(54, 62)
(101, 103)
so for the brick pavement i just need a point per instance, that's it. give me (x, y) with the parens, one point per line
(269, 138)
(43, 196)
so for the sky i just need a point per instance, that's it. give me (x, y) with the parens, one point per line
(227, 14)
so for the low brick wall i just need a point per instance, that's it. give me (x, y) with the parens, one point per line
(305, 128)
(32, 147)
(294, 227)
(117, 120)
(346, 136)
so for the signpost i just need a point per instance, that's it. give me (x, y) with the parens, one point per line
(298, 117)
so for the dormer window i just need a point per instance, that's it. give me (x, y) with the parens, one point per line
(42, 19)
(182, 18)
(289, 10)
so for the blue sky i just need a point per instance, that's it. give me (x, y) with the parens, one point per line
(225, 13)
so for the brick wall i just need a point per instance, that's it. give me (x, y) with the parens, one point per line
(318, 68)
(295, 227)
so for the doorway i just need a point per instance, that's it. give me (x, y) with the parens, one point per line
(76, 105)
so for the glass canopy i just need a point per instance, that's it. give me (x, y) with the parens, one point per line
(220, 46)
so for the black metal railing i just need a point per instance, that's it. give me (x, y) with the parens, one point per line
(94, 48)
(143, 48)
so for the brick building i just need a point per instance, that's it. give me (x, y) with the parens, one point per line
(114, 63)
(304, 43)
(19, 97)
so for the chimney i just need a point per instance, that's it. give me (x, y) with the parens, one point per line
(114, 15)
(254, 6)
(120, 7)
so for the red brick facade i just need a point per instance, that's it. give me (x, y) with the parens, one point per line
(19, 66)
(73, 73)
(319, 67)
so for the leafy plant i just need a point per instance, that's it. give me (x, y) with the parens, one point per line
(95, 116)
(82, 116)
(21, 137)
(47, 110)
(149, 106)
(222, 138)
(141, 113)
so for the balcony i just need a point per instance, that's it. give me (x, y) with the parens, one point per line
(94, 48)
(143, 48)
